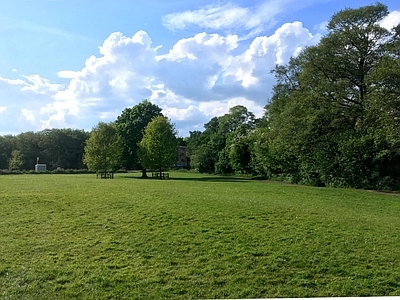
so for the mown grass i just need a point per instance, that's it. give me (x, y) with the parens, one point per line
(193, 236)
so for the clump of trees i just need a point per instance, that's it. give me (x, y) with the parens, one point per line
(225, 144)
(334, 116)
(56, 147)
(140, 138)
(107, 148)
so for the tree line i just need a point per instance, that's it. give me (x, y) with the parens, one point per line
(140, 138)
(333, 120)
(55, 147)
(334, 116)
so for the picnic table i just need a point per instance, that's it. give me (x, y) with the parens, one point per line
(105, 175)
(160, 175)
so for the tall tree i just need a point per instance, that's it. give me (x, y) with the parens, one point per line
(329, 99)
(103, 150)
(131, 124)
(6, 143)
(158, 148)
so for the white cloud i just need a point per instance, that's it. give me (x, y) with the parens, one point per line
(391, 20)
(193, 65)
(67, 74)
(40, 85)
(223, 16)
(228, 16)
(199, 77)
(252, 67)
(34, 83)
(29, 115)
(13, 81)
(3, 109)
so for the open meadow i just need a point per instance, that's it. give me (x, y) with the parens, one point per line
(193, 236)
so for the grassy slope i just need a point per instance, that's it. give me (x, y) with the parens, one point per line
(75, 236)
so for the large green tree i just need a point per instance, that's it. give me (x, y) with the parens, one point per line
(332, 101)
(103, 150)
(158, 148)
(131, 124)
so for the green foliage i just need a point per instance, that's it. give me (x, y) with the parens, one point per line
(158, 147)
(240, 154)
(333, 116)
(103, 150)
(55, 147)
(131, 124)
(5, 150)
(193, 237)
(62, 147)
(16, 161)
(28, 145)
(223, 164)
(215, 151)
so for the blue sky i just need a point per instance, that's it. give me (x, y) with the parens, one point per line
(73, 63)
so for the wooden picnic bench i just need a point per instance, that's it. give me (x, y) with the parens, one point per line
(105, 175)
(160, 175)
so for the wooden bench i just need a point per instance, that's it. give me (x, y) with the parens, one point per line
(160, 175)
(105, 175)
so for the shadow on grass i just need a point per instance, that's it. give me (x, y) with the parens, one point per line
(203, 178)
(213, 179)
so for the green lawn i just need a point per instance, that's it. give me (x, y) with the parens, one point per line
(193, 236)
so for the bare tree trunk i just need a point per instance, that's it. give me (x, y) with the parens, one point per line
(144, 173)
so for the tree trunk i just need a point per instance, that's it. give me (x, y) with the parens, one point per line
(144, 174)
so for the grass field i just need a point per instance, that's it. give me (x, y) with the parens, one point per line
(193, 236)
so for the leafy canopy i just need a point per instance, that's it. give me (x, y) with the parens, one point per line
(158, 148)
(131, 124)
(103, 150)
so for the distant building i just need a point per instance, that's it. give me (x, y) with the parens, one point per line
(40, 167)
(182, 158)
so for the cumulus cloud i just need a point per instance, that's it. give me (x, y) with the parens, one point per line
(203, 57)
(391, 20)
(29, 115)
(250, 68)
(199, 77)
(3, 109)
